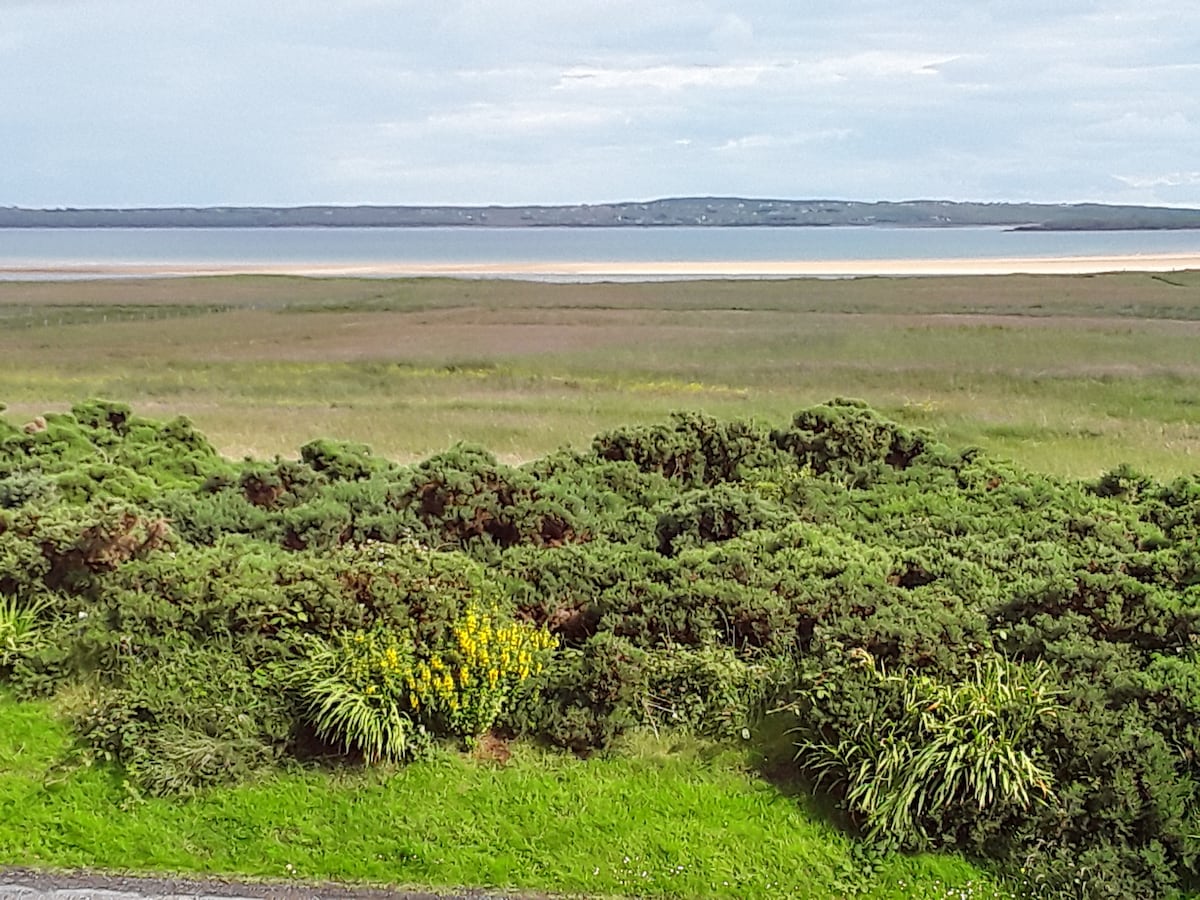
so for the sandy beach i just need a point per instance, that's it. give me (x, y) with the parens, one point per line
(628, 270)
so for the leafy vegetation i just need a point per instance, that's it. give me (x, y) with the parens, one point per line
(967, 656)
(542, 821)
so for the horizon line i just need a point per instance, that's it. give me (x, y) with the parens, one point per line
(596, 204)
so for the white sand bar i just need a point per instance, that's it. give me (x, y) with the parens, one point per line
(1072, 265)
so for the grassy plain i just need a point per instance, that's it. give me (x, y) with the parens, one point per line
(1067, 374)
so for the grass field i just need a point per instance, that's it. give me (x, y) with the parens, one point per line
(1067, 374)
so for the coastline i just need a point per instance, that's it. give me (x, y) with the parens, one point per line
(624, 270)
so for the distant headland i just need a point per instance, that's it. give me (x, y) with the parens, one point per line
(670, 212)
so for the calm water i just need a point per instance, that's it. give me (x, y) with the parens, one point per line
(357, 246)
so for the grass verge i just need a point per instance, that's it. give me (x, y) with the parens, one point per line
(655, 820)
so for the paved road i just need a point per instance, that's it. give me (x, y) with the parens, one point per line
(23, 884)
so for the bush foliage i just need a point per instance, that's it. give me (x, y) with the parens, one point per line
(967, 655)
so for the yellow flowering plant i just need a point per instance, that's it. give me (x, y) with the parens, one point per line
(467, 684)
(375, 690)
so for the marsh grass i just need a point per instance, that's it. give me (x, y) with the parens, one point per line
(657, 819)
(1071, 375)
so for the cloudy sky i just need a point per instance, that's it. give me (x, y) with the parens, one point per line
(166, 102)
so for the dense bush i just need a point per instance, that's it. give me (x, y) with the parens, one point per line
(195, 716)
(968, 655)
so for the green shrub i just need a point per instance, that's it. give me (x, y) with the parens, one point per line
(847, 440)
(585, 698)
(711, 515)
(187, 718)
(681, 568)
(465, 498)
(341, 460)
(712, 691)
(100, 450)
(693, 450)
(25, 487)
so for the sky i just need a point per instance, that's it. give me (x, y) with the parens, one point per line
(284, 102)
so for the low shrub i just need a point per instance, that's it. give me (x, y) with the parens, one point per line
(381, 691)
(714, 691)
(1039, 633)
(923, 763)
(355, 694)
(189, 718)
(586, 697)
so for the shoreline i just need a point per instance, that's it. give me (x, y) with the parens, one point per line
(623, 270)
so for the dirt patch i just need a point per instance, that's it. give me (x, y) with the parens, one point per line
(492, 749)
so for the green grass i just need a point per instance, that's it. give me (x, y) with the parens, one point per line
(654, 820)
(1071, 375)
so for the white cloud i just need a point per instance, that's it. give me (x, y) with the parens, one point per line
(516, 100)
(831, 69)
(1170, 179)
(484, 120)
(663, 78)
(754, 142)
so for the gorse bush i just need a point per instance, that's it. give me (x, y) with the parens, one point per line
(972, 655)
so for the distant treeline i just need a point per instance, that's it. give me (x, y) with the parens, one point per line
(727, 211)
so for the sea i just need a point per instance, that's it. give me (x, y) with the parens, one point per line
(25, 250)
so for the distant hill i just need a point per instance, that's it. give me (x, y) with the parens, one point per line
(681, 211)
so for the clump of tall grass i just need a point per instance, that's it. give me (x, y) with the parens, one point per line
(931, 750)
(21, 629)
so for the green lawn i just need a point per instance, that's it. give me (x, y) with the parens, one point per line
(653, 820)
